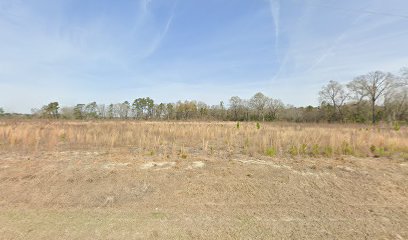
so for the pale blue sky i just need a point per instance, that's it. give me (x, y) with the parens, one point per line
(78, 51)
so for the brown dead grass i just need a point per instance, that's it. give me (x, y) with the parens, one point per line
(195, 180)
(181, 138)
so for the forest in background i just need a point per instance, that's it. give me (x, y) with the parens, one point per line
(373, 97)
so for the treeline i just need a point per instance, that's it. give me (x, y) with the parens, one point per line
(376, 96)
(257, 108)
(373, 97)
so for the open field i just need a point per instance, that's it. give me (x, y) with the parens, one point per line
(214, 138)
(195, 180)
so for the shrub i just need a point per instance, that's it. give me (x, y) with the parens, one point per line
(346, 149)
(372, 149)
(328, 151)
(382, 152)
(258, 126)
(303, 149)
(397, 126)
(315, 150)
(63, 137)
(271, 152)
(293, 151)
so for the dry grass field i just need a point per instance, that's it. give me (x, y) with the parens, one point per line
(196, 180)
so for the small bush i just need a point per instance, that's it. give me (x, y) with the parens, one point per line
(328, 151)
(258, 126)
(303, 149)
(271, 152)
(346, 149)
(397, 126)
(237, 125)
(293, 151)
(63, 137)
(382, 152)
(315, 150)
(373, 148)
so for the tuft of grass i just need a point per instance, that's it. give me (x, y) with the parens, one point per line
(302, 149)
(328, 151)
(346, 148)
(373, 149)
(382, 152)
(396, 126)
(315, 150)
(63, 137)
(271, 152)
(404, 156)
(293, 151)
(211, 150)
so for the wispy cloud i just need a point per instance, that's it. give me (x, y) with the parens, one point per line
(336, 42)
(155, 43)
(53, 55)
(72, 51)
(275, 11)
(145, 4)
(324, 43)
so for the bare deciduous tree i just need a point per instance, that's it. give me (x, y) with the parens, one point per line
(334, 94)
(101, 109)
(373, 85)
(397, 104)
(235, 106)
(124, 109)
(274, 106)
(258, 103)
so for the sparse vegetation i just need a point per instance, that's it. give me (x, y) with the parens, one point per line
(139, 157)
(148, 119)
(397, 126)
(166, 138)
(271, 152)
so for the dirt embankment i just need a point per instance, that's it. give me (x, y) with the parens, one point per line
(116, 195)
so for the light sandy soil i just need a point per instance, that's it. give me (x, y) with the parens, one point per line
(118, 195)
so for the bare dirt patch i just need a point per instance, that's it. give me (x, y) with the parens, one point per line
(196, 165)
(117, 195)
(158, 165)
(116, 165)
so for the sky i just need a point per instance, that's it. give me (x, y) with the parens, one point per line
(79, 51)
